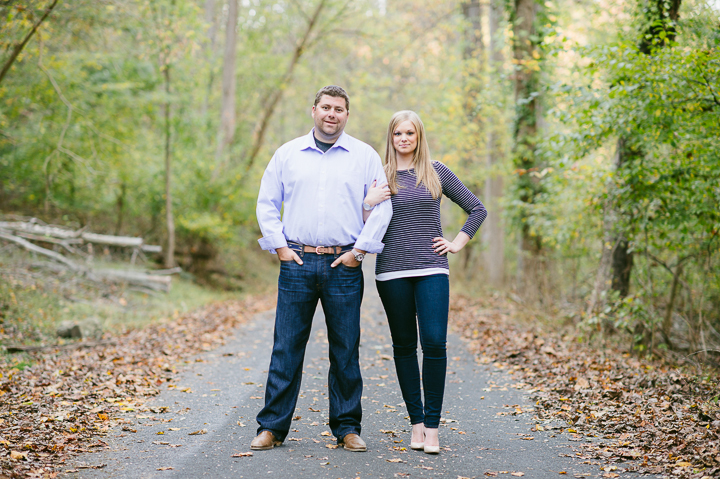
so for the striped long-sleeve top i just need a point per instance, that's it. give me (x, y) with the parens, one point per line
(416, 221)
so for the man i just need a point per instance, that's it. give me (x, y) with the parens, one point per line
(319, 181)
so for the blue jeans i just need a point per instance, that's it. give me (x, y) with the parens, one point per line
(412, 304)
(340, 290)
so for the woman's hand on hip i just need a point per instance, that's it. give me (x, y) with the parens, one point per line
(377, 194)
(443, 246)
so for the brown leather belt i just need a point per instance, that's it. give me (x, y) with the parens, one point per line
(319, 249)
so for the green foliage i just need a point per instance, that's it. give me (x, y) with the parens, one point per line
(665, 108)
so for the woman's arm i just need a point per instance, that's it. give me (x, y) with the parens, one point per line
(375, 196)
(454, 189)
(443, 246)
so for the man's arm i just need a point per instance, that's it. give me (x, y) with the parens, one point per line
(269, 205)
(371, 236)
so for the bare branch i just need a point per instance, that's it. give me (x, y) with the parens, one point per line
(259, 134)
(19, 47)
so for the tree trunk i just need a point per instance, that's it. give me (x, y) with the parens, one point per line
(120, 208)
(211, 19)
(473, 40)
(473, 74)
(170, 255)
(622, 259)
(667, 321)
(622, 263)
(527, 83)
(227, 108)
(493, 229)
(661, 17)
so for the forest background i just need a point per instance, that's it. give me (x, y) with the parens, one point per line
(589, 128)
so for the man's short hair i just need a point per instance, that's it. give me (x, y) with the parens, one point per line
(333, 90)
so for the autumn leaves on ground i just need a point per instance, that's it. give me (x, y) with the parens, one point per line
(655, 417)
(65, 400)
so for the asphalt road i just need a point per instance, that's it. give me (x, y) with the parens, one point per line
(483, 433)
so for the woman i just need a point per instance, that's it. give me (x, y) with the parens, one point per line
(412, 271)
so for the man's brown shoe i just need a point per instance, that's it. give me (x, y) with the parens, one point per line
(353, 442)
(264, 440)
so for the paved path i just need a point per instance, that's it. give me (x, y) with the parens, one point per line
(479, 434)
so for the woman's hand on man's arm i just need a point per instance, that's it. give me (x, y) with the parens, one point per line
(375, 195)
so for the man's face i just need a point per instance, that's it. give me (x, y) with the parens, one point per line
(330, 117)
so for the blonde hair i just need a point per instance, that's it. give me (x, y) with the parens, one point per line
(422, 162)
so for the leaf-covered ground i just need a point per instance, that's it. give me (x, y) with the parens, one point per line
(65, 401)
(647, 417)
(657, 418)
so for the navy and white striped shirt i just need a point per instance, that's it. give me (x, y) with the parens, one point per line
(416, 221)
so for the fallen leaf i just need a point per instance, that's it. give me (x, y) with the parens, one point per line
(198, 432)
(173, 429)
(581, 383)
(325, 433)
(168, 468)
(394, 459)
(242, 454)
(18, 456)
(331, 446)
(517, 474)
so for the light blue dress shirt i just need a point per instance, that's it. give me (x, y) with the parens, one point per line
(321, 195)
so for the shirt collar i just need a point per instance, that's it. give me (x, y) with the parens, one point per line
(343, 142)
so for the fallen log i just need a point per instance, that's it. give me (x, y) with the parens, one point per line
(43, 230)
(47, 232)
(163, 272)
(127, 241)
(65, 243)
(154, 282)
(37, 249)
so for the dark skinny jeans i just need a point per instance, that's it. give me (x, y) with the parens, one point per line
(412, 305)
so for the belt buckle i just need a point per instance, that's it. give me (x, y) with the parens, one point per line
(317, 249)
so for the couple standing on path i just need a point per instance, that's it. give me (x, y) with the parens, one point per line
(333, 193)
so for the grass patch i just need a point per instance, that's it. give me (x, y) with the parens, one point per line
(34, 301)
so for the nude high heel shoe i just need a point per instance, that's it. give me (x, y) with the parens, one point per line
(418, 446)
(431, 449)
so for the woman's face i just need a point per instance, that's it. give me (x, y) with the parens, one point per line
(405, 138)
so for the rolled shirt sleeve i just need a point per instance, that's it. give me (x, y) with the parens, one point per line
(373, 231)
